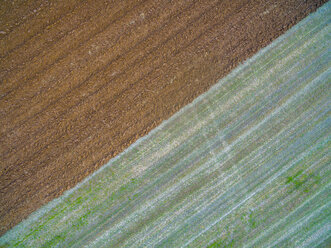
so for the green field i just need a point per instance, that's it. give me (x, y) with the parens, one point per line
(247, 164)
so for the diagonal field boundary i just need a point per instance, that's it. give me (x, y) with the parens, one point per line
(247, 164)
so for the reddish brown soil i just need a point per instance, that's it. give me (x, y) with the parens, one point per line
(82, 80)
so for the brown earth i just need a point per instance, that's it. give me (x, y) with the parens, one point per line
(82, 80)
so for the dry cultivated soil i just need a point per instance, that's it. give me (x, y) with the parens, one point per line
(82, 80)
